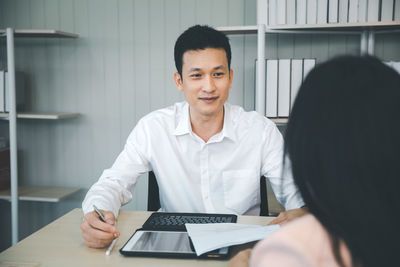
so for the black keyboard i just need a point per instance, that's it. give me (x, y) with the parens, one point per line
(176, 221)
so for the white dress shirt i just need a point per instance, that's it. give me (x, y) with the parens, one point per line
(218, 176)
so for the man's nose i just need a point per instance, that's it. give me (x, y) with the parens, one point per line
(209, 84)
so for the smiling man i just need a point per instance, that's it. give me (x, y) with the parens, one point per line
(207, 155)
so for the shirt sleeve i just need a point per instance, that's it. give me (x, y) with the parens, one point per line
(281, 180)
(114, 187)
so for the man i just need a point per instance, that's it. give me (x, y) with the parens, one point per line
(207, 155)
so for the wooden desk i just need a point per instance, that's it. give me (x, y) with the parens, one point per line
(60, 244)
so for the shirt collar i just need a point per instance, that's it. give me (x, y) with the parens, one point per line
(184, 127)
(228, 128)
(183, 121)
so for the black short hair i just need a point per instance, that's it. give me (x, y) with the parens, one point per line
(200, 37)
(343, 140)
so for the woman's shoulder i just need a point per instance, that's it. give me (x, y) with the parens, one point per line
(303, 242)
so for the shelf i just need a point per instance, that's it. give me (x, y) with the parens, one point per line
(279, 120)
(332, 27)
(42, 115)
(356, 26)
(237, 29)
(40, 193)
(48, 33)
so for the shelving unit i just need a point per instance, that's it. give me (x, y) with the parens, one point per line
(42, 115)
(355, 26)
(40, 193)
(46, 33)
(27, 193)
(366, 31)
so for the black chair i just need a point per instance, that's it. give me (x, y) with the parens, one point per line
(153, 199)
(153, 196)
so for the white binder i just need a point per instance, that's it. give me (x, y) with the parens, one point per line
(283, 87)
(296, 79)
(272, 88)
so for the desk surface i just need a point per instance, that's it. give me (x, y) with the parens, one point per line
(60, 244)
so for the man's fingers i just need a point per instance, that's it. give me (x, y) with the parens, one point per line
(99, 234)
(289, 215)
(278, 220)
(95, 243)
(274, 221)
(94, 221)
(95, 238)
(109, 216)
(96, 233)
(93, 234)
(103, 226)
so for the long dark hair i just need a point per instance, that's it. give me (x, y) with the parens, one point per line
(343, 140)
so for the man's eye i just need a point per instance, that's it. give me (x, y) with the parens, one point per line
(195, 75)
(218, 74)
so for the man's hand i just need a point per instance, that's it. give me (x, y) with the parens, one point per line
(241, 259)
(289, 215)
(98, 234)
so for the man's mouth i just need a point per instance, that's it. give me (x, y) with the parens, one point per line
(208, 99)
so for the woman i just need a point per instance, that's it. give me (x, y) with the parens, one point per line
(343, 140)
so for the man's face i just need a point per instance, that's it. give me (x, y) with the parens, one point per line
(205, 82)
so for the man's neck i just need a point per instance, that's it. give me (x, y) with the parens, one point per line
(205, 127)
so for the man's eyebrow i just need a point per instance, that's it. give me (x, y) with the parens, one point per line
(194, 69)
(220, 67)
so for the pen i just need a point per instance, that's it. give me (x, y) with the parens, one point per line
(104, 220)
(111, 247)
(99, 213)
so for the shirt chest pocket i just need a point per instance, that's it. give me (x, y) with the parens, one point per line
(241, 189)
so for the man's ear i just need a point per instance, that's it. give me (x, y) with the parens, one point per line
(230, 78)
(178, 81)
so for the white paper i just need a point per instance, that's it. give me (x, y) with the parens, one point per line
(211, 236)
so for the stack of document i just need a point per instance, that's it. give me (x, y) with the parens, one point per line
(211, 236)
(283, 80)
(289, 12)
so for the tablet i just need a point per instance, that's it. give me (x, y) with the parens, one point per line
(166, 244)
